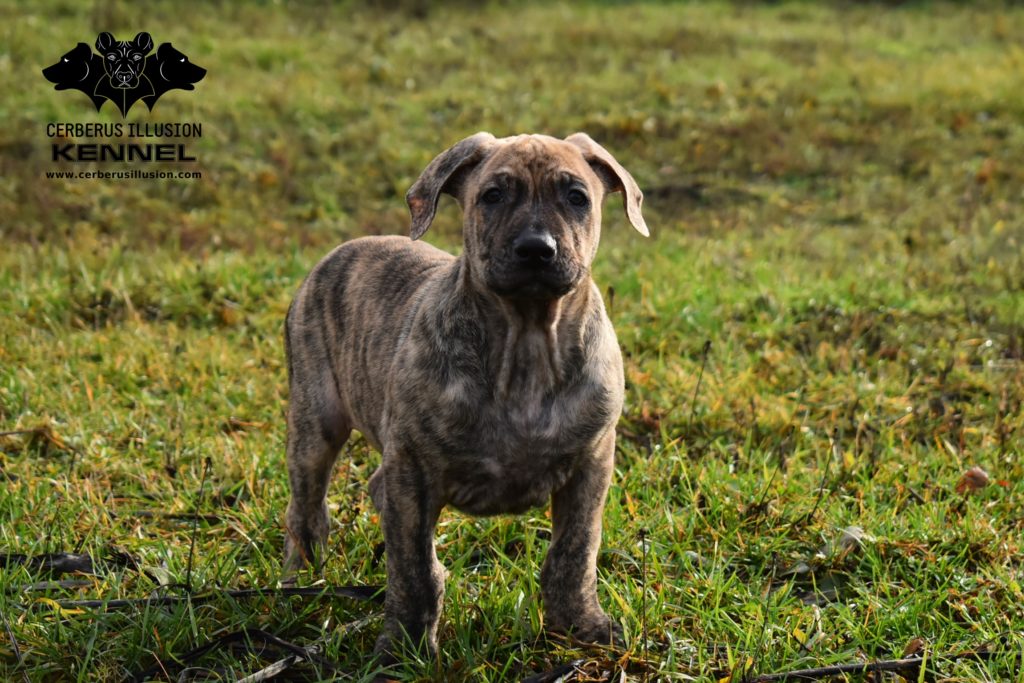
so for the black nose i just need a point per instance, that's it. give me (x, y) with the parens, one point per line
(535, 248)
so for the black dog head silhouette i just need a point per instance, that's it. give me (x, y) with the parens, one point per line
(123, 73)
(170, 69)
(79, 69)
(124, 60)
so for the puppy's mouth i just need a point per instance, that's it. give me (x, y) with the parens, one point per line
(533, 284)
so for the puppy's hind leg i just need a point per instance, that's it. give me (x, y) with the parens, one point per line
(317, 429)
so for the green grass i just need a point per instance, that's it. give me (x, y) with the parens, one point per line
(834, 192)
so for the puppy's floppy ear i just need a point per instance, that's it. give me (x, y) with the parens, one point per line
(104, 41)
(614, 177)
(143, 41)
(444, 174)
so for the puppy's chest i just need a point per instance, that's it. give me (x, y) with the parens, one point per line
(508, 454)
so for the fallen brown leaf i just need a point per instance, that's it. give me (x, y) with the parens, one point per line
(973, 479)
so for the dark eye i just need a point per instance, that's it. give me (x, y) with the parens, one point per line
(577, 198)
(492, 196)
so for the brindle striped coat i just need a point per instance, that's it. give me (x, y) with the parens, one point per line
(489, 381)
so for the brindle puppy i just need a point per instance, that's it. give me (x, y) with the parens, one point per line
(489, 382)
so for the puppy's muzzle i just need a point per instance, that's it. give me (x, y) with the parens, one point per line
(533, 267)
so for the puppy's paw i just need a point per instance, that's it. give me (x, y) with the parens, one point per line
(595, 630)
(295, 559)
(394, 647)
(384, 651)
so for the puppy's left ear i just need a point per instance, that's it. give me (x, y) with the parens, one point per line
(614, 177)
(144, 42)
(444, 174)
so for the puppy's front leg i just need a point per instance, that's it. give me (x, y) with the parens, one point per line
(569, 577)
(409, 507)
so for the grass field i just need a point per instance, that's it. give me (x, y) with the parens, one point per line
(824, 333)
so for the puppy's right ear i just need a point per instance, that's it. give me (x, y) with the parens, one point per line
(104, 41)
(443, 174)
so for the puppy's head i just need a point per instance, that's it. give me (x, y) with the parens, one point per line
(531, 208)
(124, 60)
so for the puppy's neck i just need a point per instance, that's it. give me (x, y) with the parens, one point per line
(531, 357)
(529, 340)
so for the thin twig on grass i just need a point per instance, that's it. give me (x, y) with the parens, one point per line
(19, 432)
(170, 516)
(824, 479)
(696, 390)
(246, 637)
(195, 526)
(14, 647)
(42, 586)
(643, 595)
(361, 593)
(909, 665)
(59, 563)
(764, 621)
(271, 671)
(759, 507)
(556, 674)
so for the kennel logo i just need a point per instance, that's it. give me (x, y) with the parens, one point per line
(124, 71)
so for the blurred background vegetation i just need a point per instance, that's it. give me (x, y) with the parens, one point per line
(317, 117)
